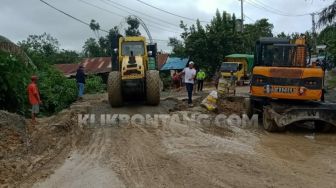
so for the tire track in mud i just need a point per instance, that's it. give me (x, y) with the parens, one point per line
(191, 156)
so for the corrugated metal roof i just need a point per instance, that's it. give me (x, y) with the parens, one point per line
(175, 63)
(100, 65)
(91, 66)
(162, 59)
(67, 69)
(96, 65)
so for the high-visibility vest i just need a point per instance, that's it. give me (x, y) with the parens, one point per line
(200, 75)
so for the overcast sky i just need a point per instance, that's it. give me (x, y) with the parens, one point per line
(20, 18)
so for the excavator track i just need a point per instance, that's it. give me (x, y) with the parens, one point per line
(286, 113)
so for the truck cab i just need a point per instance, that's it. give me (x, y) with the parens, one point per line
(235, 67)
(240, 64)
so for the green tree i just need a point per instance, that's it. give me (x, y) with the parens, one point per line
(15, 76)
(57, 92)
(328, 15)
(91, 48)
(67, 57)
(252, 32)
(133, 28)
(95, 27)
(283, 35)
(177, 47)
(208, 45)
(42, 44)
(328, 37)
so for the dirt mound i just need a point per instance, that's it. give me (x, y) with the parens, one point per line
(231, 105)
(25, 148)
(12, 133)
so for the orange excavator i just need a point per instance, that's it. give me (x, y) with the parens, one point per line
(285, 89)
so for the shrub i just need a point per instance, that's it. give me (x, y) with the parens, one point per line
(94, 84)
(14, 79)
(166, 79)
(57, 92)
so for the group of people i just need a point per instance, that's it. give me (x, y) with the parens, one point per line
(190, 77)
(189, 73)
(34, 94)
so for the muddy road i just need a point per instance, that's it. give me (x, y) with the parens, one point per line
(192, 155)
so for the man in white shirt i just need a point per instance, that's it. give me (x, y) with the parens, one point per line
(189, 77)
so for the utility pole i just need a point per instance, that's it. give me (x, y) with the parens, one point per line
(242, 15)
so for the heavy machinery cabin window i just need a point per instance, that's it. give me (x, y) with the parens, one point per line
(278, 55)
(283, 55)
(137, 47)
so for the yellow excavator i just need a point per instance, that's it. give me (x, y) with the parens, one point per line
(285, 89)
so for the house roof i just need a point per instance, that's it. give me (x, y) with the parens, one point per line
(67, 69)
(161, 60)
(96, 65)
(175, 63)
(91, 66)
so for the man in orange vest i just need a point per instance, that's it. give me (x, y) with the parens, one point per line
(34, 98)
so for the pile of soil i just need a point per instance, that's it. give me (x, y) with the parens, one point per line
(12, 133)
(25, 148)
(231, 105)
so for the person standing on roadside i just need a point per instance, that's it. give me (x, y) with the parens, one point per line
(34, 98)
(189, 79)
(200, 79)
(80, 78)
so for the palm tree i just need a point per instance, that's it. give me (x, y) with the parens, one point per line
(8, 46)
(328, 15)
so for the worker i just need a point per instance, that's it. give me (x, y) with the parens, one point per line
(132, 58)
(176, 80)
(200, 79)
(34, 98)
(80, 78)
(189, 80)
(233, 83)
(216, 78)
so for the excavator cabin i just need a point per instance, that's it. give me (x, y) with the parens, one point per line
(281, 71)
(284, 88)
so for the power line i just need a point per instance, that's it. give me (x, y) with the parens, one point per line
(260, 2)
(83, 22)
(260, 6)
(157, 24)
(77, 19)
(249, 18)
(141, 13)
(111, 12)
(173, 14)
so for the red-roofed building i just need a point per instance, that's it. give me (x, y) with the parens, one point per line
(68, 70)
(98, 66)
(161, 60)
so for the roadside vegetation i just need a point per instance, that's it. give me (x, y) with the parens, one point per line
(57, 91)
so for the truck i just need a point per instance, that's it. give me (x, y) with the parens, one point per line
(239, 64)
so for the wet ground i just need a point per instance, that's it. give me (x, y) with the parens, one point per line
(192, 155)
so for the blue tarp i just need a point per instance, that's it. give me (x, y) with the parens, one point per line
(175, 63)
